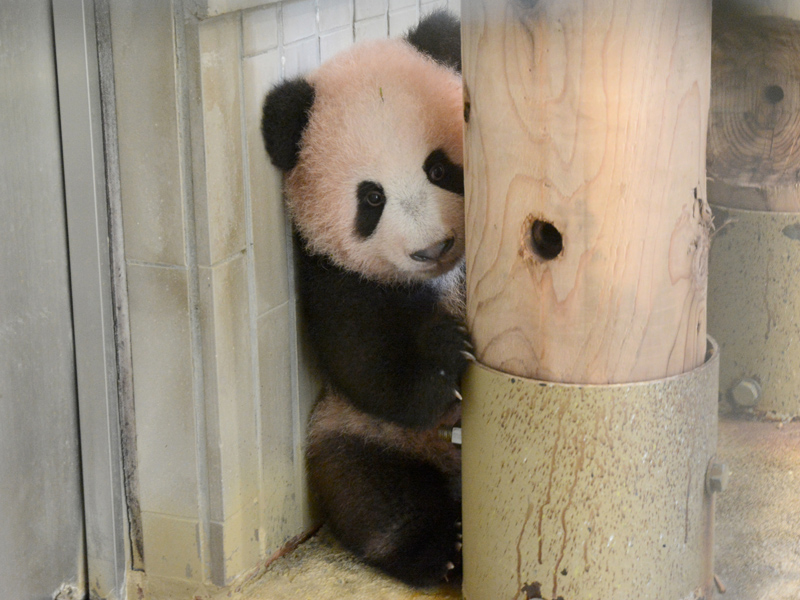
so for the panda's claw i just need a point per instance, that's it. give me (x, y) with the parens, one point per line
(450, 566)
(459, 546)
(458, 395)
(469, 356)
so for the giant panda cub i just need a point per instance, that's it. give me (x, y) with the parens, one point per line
(371, 148)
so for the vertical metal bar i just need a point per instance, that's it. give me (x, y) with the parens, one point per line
(122, 332)
(90, 275)
(41, 515)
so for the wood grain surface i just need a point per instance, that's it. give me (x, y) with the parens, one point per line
(586, 122)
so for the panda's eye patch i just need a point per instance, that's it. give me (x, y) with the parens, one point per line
(371, 200)
(443, 173)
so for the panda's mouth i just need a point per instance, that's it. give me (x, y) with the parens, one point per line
(435, 252)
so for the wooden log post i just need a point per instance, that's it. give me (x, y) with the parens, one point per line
(587, 243)
(587, 222)
(754, 289)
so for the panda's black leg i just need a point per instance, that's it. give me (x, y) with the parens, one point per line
(394, 511)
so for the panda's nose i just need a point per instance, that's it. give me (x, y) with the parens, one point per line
(434, 252)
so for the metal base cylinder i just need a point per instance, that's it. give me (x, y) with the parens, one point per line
(754, 308)
(588, 492)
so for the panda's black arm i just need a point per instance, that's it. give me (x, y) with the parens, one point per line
(390, 350)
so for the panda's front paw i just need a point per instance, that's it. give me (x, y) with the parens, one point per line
(446, 350)
(444, 341)
(454, 567)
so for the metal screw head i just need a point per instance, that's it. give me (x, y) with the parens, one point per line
(746, 393)
(718, 476)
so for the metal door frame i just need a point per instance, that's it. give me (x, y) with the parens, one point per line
(90, 259)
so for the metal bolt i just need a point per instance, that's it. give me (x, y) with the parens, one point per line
(746, 393)
(451, 434)
(718, 476)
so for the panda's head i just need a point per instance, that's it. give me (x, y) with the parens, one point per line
(371, 144)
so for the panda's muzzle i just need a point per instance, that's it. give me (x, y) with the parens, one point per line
(434, 252)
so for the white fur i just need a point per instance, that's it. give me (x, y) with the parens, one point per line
(379, 110)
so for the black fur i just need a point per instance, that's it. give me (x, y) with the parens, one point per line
(390, 349)
(371, 200)
(452, 176)
(390, 497)
(439, 36)
(284, 118)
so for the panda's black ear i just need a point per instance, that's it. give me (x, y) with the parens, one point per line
(439, 36)
(285, 115)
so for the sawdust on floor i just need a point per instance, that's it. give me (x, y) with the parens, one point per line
(319, 569)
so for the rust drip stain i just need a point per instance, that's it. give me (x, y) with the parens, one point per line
(770, 315)
(693, 437)
(708, 537)
(600, 421)
(688, 494)
(586, 545)
(578, 469)
(548, 499)
(519, 550)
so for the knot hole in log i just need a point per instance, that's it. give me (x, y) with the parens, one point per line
(773, 94)
(544, 240)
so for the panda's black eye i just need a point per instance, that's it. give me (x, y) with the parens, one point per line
(443, 172)
(436, 172)
(375, 199)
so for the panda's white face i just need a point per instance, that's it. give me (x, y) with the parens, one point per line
(378, 187)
